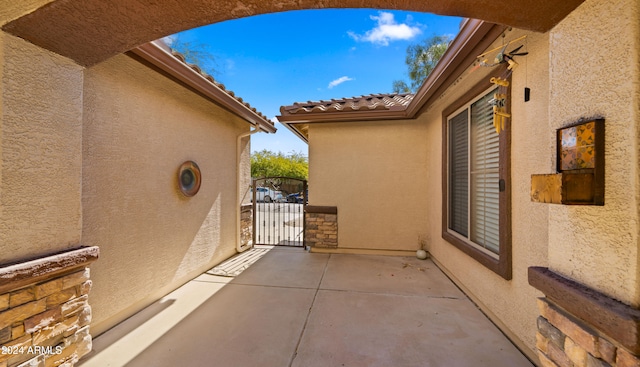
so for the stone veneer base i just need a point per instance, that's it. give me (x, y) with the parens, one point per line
(44, 310)
(246, 225)
(580, 327)
(321, 226)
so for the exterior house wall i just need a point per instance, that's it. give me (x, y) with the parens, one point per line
(598, 246)
(139, 127)
(375, 174)
(40, 150)
(511, 304)
(590, 310)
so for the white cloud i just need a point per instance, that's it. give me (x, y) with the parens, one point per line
(230, 67)
(168, 40)
(339, 81)
(387, 30)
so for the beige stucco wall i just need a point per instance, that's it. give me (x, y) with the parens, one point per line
(512, 304)
(375, 174)
(138, 128)
(40, 150)
(594, 73)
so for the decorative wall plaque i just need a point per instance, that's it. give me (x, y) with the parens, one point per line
(189, 178)
(580, 166)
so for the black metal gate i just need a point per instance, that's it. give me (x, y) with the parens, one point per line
(278, 211)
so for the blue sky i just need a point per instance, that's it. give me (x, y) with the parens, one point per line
(277, 59)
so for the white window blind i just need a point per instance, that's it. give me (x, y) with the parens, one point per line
(484, 172)
(474, 162)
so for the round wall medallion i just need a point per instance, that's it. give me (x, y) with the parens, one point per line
(189, 178)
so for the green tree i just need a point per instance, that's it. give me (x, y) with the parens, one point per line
(421, 59)
(269, 164)
(194, 53)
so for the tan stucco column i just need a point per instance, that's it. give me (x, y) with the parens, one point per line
(594, 73)
(40, 151)
(592, 291)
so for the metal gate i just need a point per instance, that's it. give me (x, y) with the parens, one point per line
(278, 211)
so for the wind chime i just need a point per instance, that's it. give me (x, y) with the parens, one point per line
(499, 100)
(499, 103)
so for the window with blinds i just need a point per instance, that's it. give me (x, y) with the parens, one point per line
(473, 177)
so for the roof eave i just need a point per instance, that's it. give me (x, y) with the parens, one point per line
(390, 114)
(292, 122)
(294, 129)
(165, 61)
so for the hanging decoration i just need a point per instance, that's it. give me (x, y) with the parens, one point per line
(499, 102)
(502, 56)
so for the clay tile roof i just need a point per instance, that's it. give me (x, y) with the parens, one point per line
(372, 102)
(179, 56)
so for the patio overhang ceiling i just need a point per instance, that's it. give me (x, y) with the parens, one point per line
(91, 31)
(474, 37)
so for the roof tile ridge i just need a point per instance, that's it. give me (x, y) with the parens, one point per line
(316, 108)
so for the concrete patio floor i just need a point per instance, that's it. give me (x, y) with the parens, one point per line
(294, 308)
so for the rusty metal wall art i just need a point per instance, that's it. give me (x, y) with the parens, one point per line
(189, 178)
(580, 167)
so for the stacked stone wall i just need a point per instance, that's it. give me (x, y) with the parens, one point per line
(564, 341)
(581, 327)
(321, 227)
(45, 311)
(246, 225)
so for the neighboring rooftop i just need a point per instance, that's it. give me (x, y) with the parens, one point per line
(391, 102)
(297, 117)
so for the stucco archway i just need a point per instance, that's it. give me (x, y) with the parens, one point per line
(90, 31)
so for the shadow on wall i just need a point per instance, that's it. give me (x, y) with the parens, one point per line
(205, 243)
(138, 129)
(151, 249)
